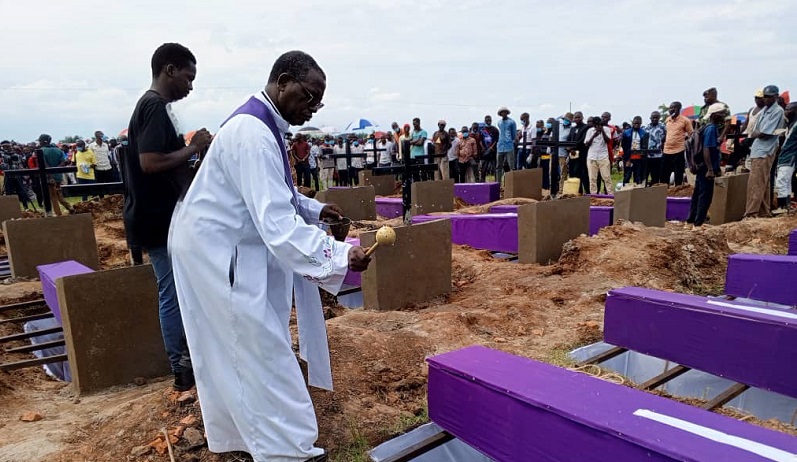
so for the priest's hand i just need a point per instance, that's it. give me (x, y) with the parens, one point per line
(358, 261)
(332, 212)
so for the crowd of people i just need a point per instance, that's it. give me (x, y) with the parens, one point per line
(670, 149)
(97, 160)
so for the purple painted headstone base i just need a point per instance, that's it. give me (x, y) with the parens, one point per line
(48, 274)
(478, 193)
(793, 242)
(678, 208)
(599, 216)
(516, 409)
(490, 231)
(389, 207)
(769, 278)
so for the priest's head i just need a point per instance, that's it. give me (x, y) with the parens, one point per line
(296, 86)
(173, 71)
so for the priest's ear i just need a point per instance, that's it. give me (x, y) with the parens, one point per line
(283, 80)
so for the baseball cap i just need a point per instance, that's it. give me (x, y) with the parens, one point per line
(759, 93)
(771, 90)
(715, 108)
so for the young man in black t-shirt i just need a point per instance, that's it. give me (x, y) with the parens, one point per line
(156, 176)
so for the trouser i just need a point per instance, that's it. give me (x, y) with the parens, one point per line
(738, 155)
(462, 172)
(545, 165)
(604, 168)
(520, 161)
(701, 197)
(343, 177)
(85, 181)
(303, 175)
(564, 173)
(758, 197)
(583, 174)
(504, 158)
(443, 168)
(673, 163)
(485, 167)
(636, 170)
(555, 175)
(653, 172)
(354, 174)
(36, 187)
(783, 182)
(169, 310)
(56, 198)
(453, 167)
(314, 173)
(104, 176)
(327, 176)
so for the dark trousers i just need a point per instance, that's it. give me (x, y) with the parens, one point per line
(343, 178)
(486, 166)
(653, 170)
(314, 173)
(85, 181)
(453, 170)
(673, 163)
(462, 172)
(303, 175)
(636, 170)
(701, 198)
(555, 174)
(545, 164)
(520, 161)
(582, 173)
(354, 174)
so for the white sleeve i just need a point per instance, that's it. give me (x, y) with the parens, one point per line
(257, 172)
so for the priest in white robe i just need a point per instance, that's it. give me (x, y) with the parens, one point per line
(244, 243)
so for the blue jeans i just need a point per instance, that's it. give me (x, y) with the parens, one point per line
(169, 310)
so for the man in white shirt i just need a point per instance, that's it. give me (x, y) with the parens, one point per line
(453, 164)
(386, 156)
(597, 140)
(340, 163)
(357, 163)
(103, 173)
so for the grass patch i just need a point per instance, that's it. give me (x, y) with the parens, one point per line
(355, 451)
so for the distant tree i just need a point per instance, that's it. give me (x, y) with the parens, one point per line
(71, 139)
(664, 108)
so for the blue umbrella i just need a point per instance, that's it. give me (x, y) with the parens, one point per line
(357, 125)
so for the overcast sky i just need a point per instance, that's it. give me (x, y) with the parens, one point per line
(64, 72)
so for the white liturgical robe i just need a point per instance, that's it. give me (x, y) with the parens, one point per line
(242, 241)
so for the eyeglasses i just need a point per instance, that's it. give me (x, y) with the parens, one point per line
(311, 97)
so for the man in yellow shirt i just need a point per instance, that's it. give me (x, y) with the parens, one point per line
(85, 162)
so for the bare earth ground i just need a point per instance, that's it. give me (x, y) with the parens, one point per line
(378, 358)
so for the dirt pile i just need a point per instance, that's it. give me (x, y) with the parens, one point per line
(684, 190)
(106, 209)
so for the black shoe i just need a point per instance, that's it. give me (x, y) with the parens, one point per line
(322, 458)
(184, 380)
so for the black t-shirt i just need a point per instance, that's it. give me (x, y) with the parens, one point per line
(150, 198)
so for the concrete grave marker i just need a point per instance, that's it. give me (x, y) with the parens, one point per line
(432, 196)
(645, 205)
(40, 241)
(523, 183)
(358, 203)
(10, 208)
(730, 197)
(415, 269)
(384, 185)
(543, 227)
(112, 336)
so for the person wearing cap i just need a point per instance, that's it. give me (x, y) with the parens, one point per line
(54, 157)
(787, 159)
(442, 143)
(765, 133)
(705, 165)
(709, 98)
(507, 131)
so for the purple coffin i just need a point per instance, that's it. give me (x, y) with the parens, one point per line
(599, 216)
(478, 193)
(769, 278)
(678, 208)
(793, 242)
(746, 344)
(516, 409)
(389, 207)
(489, 231)
(48, 274)
(353, 278)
